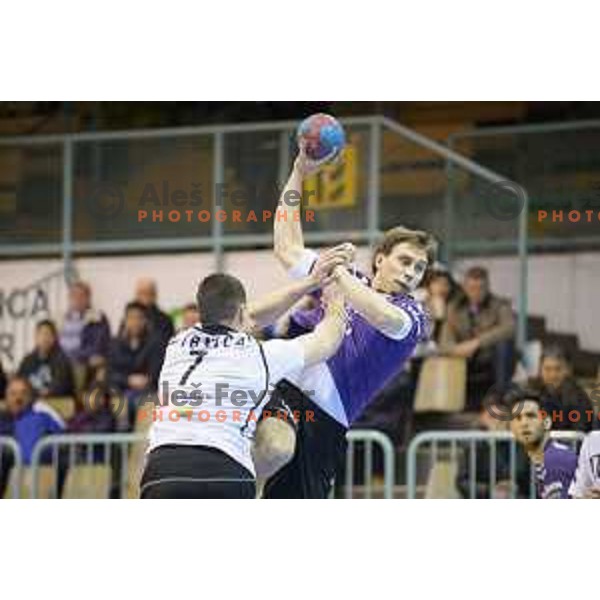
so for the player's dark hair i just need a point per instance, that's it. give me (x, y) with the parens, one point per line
(219, 298)
(400, 235)
(515, 397)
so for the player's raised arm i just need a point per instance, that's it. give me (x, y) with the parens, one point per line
(288, 239)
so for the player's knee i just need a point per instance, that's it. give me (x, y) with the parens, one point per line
(273, 447)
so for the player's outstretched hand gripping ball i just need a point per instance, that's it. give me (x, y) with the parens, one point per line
(323, 137)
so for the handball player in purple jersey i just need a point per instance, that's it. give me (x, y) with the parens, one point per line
(553, 464)
(385, 325)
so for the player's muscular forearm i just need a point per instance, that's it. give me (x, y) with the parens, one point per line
(268, 309)
(287, 234)
(370, 304)
(325, 340)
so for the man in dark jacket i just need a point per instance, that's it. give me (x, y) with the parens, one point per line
(480, 327)
(47, 368)
(135, 358)
(159, 322)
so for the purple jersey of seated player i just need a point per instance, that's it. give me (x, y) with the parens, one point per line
(366, 359)
(554, 477)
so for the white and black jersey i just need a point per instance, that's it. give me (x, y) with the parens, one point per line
(587, 474)
(213, 386)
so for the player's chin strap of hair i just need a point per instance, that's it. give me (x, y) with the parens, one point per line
(263, 393)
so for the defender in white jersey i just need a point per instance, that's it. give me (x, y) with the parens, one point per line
(586, 483)
(213, 386)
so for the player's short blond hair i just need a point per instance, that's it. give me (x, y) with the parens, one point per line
(403, 235)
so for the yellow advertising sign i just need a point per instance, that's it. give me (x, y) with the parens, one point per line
(335, 185)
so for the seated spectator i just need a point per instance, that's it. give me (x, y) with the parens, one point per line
(480, 484)
(190, 316)
(554, 464)
(480, 327)
(96, 415)
(159, 322)
(566, 403)
(27, 419)
(85, 335)
(47, 368)
(439, 291)
(135, 358)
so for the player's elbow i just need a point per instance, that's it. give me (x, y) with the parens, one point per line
(393, 323)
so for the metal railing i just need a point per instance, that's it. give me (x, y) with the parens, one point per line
(87, 465)
(453, 447)
(368, 439)
(110, 465)
(10, 467)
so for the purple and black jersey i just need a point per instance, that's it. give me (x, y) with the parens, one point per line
(367, 358)
(554, 477)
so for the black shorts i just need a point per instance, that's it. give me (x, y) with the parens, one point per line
(174, 471)
(320, 448)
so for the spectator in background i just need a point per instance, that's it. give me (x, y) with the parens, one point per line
(566, 403)
(480, 327)
(28, 419)
(47, 368)
(190, 316)
(135, 358)
(160, 322)
(85, 335)
(96, 416)
(439, 291)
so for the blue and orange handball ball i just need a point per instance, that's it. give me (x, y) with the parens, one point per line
(323, 136)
